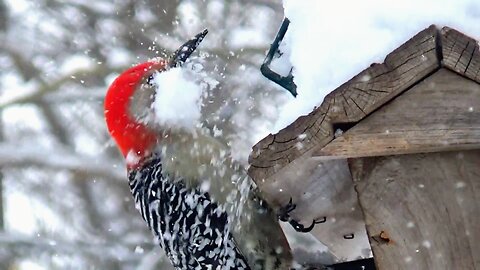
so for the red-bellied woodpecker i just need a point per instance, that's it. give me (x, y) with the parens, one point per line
(186, 186)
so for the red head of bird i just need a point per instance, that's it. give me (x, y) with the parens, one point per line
(134, 137)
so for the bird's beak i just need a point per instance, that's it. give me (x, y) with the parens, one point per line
(181, 55)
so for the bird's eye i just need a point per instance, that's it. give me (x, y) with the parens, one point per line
(150, 80)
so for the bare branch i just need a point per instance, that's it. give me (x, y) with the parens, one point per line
(22, 156)
(55, 85)
(20, 244)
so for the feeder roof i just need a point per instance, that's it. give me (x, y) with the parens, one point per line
(433, 49)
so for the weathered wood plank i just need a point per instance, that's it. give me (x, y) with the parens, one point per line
(461, 53)
(322, 189)
(422, 210)
(439, 114)
(351, 102)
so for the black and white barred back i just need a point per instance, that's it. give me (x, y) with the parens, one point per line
(191, 228)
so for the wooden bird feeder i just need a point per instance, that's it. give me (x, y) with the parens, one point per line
(395, 153)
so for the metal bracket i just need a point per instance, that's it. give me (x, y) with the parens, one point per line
(285, 82)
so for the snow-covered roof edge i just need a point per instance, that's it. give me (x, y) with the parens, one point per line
(425, 53)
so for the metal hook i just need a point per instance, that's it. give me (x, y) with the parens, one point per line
(323, 220)
(285, 82)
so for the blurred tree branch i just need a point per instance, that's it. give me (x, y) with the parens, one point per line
(3, 16)
(25, 246)
(23, 156)
(55, 85)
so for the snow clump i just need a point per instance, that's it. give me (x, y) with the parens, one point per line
(177, 100)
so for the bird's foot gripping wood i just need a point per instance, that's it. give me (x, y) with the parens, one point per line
(284, 215)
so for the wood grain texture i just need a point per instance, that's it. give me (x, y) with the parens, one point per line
(460, 53)
(322, 189)
(351, 102)
(440, 113)
(422, 210)
(426, 52)
(444, 217)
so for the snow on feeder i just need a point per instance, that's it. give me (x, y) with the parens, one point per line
(390, 159)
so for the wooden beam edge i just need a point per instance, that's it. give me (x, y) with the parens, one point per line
(327, 154)
(460, 53)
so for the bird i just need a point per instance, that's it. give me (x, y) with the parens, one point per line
(185, 184)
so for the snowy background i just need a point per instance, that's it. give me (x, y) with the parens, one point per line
(64, 200)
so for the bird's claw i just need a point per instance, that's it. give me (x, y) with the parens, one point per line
(301, 228)
(284, 212)
(284, 215)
